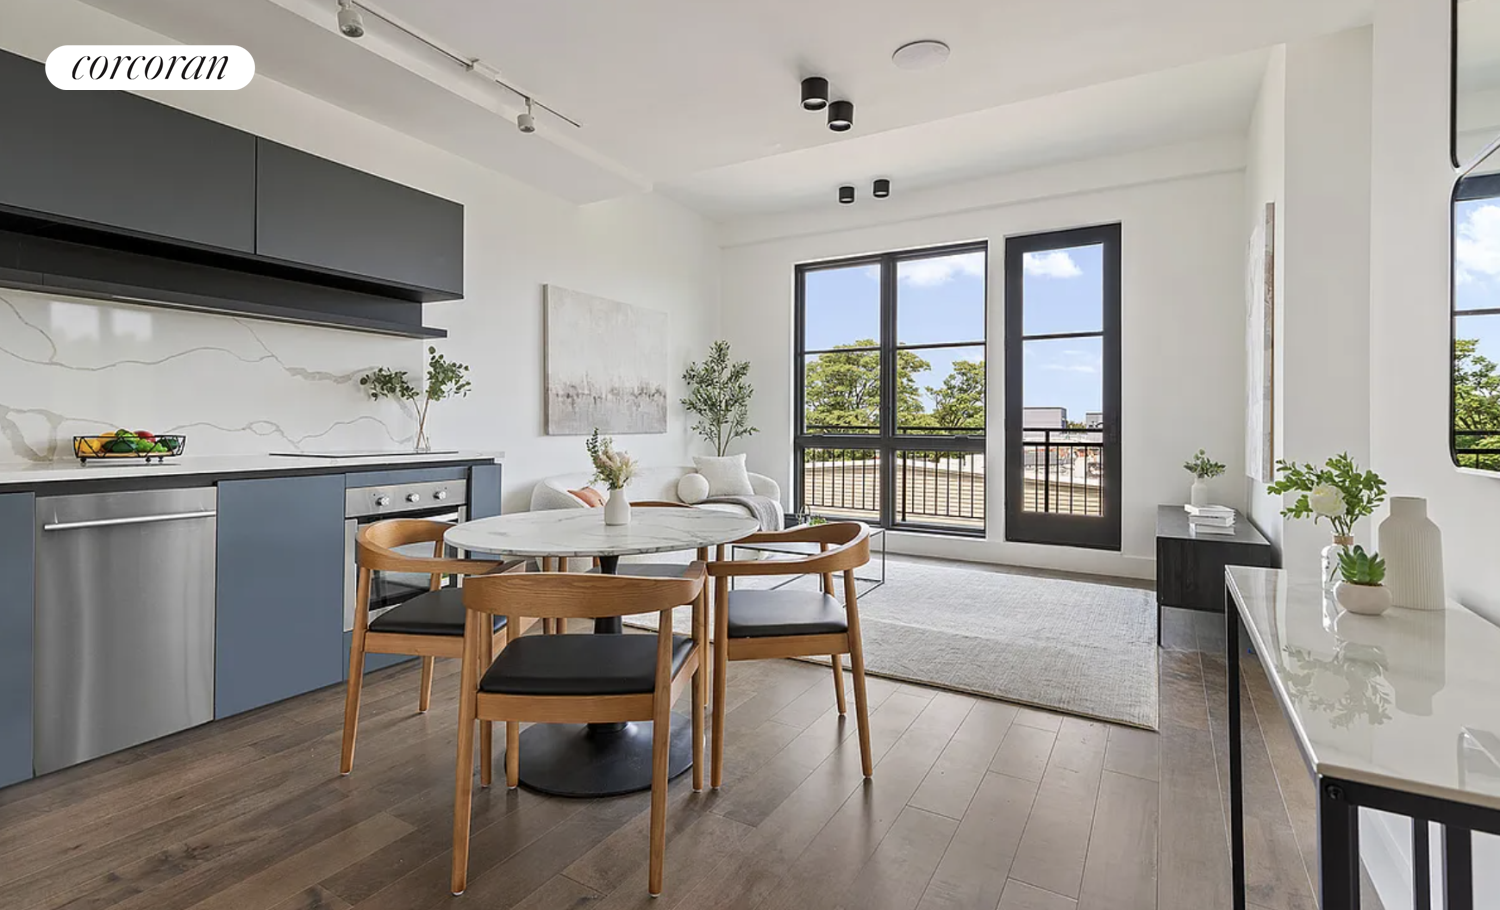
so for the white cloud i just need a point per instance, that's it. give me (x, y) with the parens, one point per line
(933, 272)
(871, 271)
(1477, 247)
(1074, 361)
(1053, 264)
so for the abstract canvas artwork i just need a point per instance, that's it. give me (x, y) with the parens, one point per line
(1260, 352)
(606, 365)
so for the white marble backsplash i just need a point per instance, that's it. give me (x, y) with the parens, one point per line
(231, 385)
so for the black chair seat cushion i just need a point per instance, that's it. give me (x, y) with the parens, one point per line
(648, 570)
(580, 665)
(439, 612)
(771, 614)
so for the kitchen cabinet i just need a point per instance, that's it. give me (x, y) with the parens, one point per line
(321, 214)
(122, 162)
(484, 491)
(17, 593)
(280, 601)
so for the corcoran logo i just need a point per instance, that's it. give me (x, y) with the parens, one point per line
(76, 67)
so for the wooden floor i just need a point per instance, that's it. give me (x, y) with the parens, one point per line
(974, 804)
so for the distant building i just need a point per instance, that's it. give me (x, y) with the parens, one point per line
(1094, 420)
(1044, 418)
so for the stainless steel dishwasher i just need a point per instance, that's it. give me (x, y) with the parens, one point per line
(124, 620)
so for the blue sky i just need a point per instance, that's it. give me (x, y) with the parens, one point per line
(1477, 271)
(942, 300)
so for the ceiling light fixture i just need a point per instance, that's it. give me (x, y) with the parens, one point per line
(526, 121)
(920, 55)
(841, 116)
(814, 93)
(881, 189)
(846, 195)
(351, 22)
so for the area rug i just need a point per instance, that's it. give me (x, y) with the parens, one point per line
(1076, 647)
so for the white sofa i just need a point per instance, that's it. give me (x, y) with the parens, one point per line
(650, 484)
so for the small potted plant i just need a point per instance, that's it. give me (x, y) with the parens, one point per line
(1338, 491)
(1203, 469)
(1361, 589)
(614, 470)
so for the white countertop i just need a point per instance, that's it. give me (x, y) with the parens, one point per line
(1409, 700)
(130, 468)
(582, 532)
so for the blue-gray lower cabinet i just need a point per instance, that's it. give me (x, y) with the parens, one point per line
(484, 491)
(17, 597)
(280, 611)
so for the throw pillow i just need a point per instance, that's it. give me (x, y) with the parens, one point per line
(692, 488)
(726, 476)
(590, 496)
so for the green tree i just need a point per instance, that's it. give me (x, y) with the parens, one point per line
(959, 401)
(719, 393)
(1476, 403)
(842, 389)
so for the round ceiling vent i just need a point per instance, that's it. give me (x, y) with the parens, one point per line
(920, 55)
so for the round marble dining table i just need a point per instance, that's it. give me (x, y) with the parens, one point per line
(592, 760)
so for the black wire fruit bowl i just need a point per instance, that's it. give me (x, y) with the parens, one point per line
(125, 444)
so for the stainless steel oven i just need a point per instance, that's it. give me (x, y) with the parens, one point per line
(444, 500)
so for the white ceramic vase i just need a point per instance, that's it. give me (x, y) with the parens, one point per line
(617, 508)
(1413, 549)
(1366, 600)
(1199, 495)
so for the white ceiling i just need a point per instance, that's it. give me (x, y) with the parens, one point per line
(699, 98)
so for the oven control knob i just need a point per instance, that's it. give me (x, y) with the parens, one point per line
(413, 497)
(440, 495)
(382, 501)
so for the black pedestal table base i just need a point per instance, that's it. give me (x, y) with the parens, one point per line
(594, 760)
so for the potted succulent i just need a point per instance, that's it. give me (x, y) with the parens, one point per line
(1203, 469)
(1338, 491)
(614, 470)
(1361, 589)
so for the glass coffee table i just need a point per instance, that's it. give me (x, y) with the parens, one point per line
(863, 584)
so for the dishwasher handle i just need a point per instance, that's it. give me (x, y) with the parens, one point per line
(131, 520)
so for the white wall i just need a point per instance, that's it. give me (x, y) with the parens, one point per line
(1183, 342)
(646, 251)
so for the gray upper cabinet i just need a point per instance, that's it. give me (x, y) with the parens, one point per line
(318, 213)
(17, 591)
(124, 163)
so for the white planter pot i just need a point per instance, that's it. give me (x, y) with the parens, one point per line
(617, 508)
(1366, 600)
(1413, 549)
(1199, 496)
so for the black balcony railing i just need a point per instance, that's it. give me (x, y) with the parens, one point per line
(942, 490)
(1063, 471)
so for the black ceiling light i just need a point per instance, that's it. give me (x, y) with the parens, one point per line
(814, 93)
(881, 189)
(841, 116)
(846, 194)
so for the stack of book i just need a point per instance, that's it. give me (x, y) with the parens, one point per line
(1211, 520)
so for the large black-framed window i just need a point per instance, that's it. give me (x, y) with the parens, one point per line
(1474, 400)
(1062, 388)
(889, 382)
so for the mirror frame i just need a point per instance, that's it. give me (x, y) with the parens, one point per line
(1453, 88)
(1492, 180)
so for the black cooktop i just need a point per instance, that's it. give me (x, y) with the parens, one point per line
(361, 454)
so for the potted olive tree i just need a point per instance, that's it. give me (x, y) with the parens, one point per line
(719, 393)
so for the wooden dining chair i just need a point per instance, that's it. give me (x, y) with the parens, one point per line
(760, 624)
(579, 678)
(429, 626)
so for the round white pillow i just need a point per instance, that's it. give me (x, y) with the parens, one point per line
(692, 488)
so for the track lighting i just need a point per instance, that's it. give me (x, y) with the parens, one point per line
(846, 194)
(814, 93)
(841, 116)
(351, 21)
(526, 121)
(881, 189)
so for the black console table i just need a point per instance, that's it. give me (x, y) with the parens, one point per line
(1190, 565)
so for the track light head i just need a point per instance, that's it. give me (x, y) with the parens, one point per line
(351, 20)
(846, 195)
(841, 116)
(881, 189)
(814, 93)
(526, 120)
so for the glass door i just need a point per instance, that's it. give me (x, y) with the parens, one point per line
(1062, 388)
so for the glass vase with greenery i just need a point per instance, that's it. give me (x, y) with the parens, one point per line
(1339, 491)
(719, 393)
(445, 379)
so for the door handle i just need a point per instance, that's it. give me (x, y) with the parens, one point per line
(133, 520)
